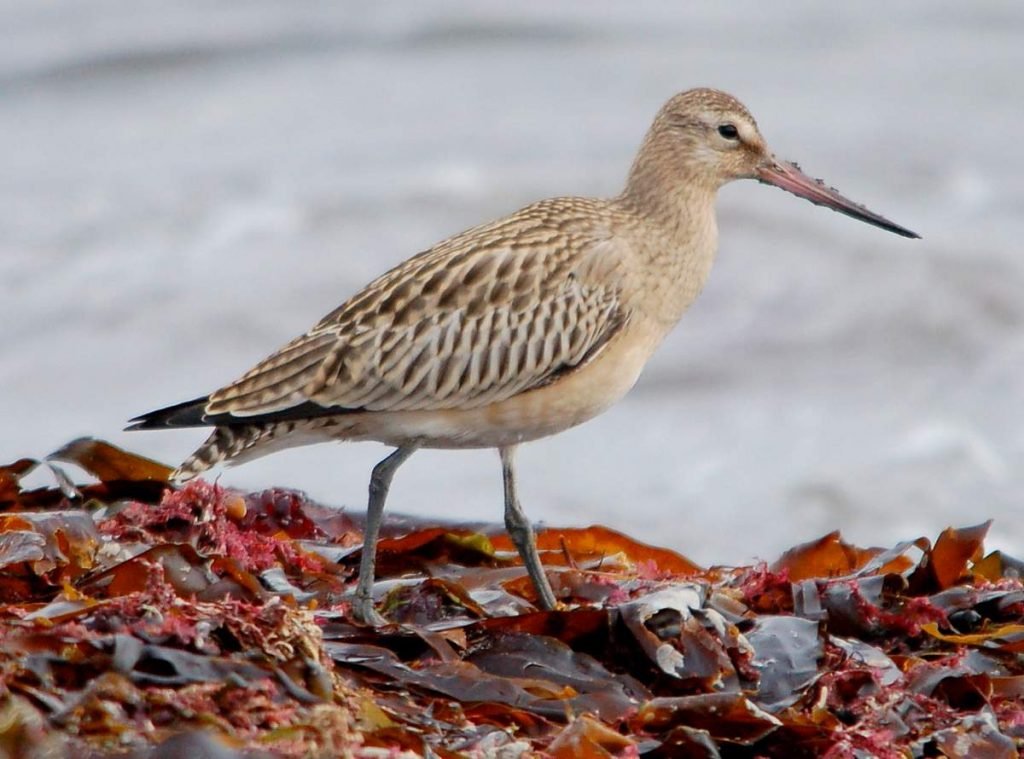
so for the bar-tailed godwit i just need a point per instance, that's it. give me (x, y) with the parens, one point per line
(509, 331)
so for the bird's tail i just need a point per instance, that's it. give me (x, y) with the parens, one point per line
(223, 444)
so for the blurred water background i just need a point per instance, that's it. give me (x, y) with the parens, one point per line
(185, 186)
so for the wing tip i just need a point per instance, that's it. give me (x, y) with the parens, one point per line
(188, 414)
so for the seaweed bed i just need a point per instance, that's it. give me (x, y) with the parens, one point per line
(139, 620)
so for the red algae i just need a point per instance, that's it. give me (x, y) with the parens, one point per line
(207, 619)
(764, 589)
(203, 514)
(904, 619)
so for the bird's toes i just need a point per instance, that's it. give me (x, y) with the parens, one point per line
(365, 612)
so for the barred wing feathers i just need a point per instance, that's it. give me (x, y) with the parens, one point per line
(491, 313)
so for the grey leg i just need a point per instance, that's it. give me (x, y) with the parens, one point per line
(380, 482)
(521, 532)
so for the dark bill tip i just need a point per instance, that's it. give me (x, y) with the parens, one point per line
(790, 178)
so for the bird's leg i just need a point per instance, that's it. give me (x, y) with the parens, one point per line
(521, 532)
(380, 482)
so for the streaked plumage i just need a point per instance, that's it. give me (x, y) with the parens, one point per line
(512, 330)
(475, 320)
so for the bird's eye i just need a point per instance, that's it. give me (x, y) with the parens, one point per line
(729, 131)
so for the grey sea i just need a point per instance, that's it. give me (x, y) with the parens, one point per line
(185, 186)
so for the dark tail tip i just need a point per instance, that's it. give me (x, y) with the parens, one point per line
(187, 414)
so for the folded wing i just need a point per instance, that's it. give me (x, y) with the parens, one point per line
(450, 328)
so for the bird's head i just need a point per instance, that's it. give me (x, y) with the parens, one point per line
(709, 138)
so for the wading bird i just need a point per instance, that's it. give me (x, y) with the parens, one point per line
(509, 331)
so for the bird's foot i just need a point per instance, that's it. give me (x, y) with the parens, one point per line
(365, 612)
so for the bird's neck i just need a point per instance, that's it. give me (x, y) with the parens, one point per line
(675, 209)
(670, 189)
